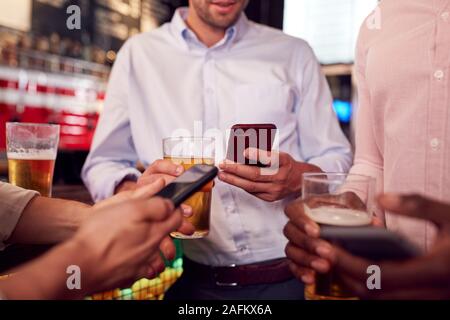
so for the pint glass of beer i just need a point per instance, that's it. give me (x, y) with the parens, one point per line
(189, 151)
(339, 200)
(31, 152)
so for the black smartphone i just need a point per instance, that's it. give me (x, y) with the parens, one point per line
(191, 181)
(372, 243)
(244, 136)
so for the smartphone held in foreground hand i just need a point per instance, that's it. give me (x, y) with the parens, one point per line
(197, 179)
(191, 181)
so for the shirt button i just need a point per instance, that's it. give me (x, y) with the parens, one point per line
(439, 74)
(445, 15)
(434, 143)
(243, 248)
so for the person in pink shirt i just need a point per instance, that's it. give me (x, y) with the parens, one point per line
(403, 121)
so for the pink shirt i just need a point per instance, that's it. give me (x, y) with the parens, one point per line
(403, 121)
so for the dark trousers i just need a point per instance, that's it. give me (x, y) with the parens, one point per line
(188, 287)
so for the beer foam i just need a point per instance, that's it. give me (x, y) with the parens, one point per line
(342, 217)
(32, 155)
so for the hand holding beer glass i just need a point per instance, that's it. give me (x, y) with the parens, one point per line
(327, 201)
(189, 151)
(31, 152)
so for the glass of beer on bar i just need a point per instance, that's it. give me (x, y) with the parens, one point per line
(338, 200)
(189, 151)
(31, 152)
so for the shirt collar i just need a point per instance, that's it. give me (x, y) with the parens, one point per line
(184, 34)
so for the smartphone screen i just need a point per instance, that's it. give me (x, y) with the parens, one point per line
(244, 136)
(191, 181)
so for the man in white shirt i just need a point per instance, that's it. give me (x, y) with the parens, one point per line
(210, 65)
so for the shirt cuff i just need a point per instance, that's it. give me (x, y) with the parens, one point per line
(114, 180)
(13, 201)
(370, 170)
(332, 163)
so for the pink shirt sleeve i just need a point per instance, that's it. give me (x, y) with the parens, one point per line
(368, 158)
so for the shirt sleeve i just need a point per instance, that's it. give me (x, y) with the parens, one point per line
(112, 157)
(368, 157)
(13, 201)
(322, 141)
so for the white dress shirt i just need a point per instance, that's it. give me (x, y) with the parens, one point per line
(166, 80)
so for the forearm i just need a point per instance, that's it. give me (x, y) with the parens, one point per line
(46, 277)
(46, 221)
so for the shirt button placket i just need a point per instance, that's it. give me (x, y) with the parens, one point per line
(210, 112)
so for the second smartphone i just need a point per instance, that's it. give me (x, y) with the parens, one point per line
(243, 136)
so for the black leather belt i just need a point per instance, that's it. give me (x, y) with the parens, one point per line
(267, 272)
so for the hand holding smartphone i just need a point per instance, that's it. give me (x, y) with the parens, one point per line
(191, 181)
(244, 136)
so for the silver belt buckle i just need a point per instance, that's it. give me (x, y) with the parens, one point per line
(225, 284)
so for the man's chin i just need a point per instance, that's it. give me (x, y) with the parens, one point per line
(224, 21)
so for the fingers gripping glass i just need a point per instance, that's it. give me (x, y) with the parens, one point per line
(342, 201)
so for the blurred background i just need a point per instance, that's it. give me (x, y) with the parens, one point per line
(49, 73)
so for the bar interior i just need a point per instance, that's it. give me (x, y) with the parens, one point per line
(242, 113)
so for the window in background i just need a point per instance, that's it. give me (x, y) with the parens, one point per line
(330, 26)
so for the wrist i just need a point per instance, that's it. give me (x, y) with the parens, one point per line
(301, 168)
(126, 185)
(83, 256)
(47, 277)
(72, 258)
(81, 212)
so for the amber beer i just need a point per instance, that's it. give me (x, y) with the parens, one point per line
(189, 151)
(33, 172)
(31, 152)
(329, 286)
